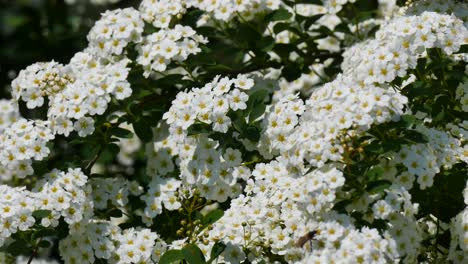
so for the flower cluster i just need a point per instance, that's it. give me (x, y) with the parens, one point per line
(200, 163)
(272, 213)
(113, 190)
(76, 91)
(399, 43)
(22, 143)
(89, 241)
(160, 191)
(160, 13)
(63, 194)
(425, 160)
(9, 113)
(114, 31)
(166, 46)
(459, 233)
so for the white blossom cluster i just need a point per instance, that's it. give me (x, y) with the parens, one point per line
(64, 194)
(76, 91)
(23, 142)
(272, 212)
(159, 49)
(199, 161)
(425, 160)
(114, 31)
(161, 12)
(114, 190)
(399, 43)
(160, 191)
(9, 113)
(459, 231)
(337, 106)
(104, 240)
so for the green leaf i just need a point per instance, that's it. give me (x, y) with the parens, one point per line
(378, 186)
(198, 128)
(143, 130)
(408, 120)
(280, 27)
(256, 112)
(212, 217)
(115, 213)
(251, 133)
(463, 49)
(280, 14)
(193, 255)
(291, 72)
(419, 88)
(266, 44)
(45, 232)
(19, 247)
(121, 132)
(216, 250)
(375, 147)
(110, 151)
(375, 173)
(171, 256)
(415, 136)
(311, 20)
(39, 214)
(259, 96)
(43, 244)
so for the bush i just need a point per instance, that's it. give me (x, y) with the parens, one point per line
(250, 131)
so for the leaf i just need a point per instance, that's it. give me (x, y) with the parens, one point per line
(291, 72)
(408, 120)
(280, 27)
(110, 151)
(280, 14)
(115, 213)
(256, 112)
(45, 232)
(121, 132)
(193, 255)
(212, 217)
(171, 256)
(143, 130)
(252, 133)
(39, 214)
(374, 147)
(415, 136)
(216, 250)
(375, 173)
(257, 97)
(198, 128)
(43, 244)
(378, 186)
(18, 247)
(463, 49)
(266, 44)
(310, 20)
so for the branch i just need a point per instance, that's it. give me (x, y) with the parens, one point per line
(88, 167)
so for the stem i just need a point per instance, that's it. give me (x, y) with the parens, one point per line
(88, 167)
(34, 252)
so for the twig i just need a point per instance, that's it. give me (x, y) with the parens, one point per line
(88, 167)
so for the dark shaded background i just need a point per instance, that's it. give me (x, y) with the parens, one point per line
(42, 30)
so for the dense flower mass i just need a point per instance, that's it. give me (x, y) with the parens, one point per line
(245, 131)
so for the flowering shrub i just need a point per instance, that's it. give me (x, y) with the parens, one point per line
(248, 131)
